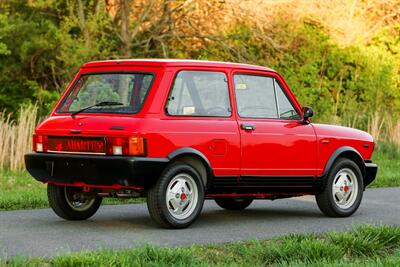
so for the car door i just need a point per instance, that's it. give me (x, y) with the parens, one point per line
(276, 148)
(199, 116)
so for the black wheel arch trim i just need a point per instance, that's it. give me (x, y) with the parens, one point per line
(189, 151)
(364, 165)
(336, 154)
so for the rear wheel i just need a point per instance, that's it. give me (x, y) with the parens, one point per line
(343, 192)
(177, 198)
(234, 204)
(71, 203)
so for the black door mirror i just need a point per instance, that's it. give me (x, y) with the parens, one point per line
(307, 114)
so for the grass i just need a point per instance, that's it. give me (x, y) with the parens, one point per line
(20, 191)
(16, 137)
(364, 245)
(387, 156)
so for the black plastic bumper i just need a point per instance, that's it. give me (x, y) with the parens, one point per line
(370, 172)
(95, 170)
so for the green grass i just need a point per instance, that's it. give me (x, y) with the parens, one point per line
(18, 190)
(387, 156)
(364, 245)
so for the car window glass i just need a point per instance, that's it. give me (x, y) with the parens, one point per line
(286, 109)
(130, 89)
(199, 93)
(255, 96)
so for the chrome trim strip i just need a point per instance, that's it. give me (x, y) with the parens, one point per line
(71, 152)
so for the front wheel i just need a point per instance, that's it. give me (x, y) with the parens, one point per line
(343, 192)
(177, 198)
(234, 204)
(71, 203)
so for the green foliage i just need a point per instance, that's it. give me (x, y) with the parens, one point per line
(43, 43)
(344, 85)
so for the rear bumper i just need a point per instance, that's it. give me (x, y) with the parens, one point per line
(104, 171)
(370, 172)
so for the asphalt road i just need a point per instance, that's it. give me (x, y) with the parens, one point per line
(42, 233)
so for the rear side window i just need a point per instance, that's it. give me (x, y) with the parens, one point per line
(128, 89)
(199, 93)
(262, 97)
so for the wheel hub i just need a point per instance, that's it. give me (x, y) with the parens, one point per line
(181, 196)
(345, 188)
(78, 200)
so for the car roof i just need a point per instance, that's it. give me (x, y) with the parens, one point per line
(174, 63)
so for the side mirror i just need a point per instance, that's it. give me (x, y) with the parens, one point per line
(307, 114)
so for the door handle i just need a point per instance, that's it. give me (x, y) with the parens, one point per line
(248, 126)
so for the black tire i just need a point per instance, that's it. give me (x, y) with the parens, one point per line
(64, 208)
(326, 200)
(161, 212)
(233, 204)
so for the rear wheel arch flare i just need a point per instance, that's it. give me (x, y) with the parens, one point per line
(194, 158)
(348, 153)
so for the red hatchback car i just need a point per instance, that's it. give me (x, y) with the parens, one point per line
(180, 131)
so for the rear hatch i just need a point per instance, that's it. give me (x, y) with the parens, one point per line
(90, 134)
(96, 114)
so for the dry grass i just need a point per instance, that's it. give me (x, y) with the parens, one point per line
(15, 137)
(393, 131)
(384, 129)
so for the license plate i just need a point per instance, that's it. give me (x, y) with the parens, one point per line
(94, 145)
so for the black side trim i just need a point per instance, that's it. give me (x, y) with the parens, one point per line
(261, 184)
(278, 181)
(225, 182)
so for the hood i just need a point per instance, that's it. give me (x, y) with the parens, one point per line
(335, 131)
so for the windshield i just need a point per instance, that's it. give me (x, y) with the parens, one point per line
(129, 89)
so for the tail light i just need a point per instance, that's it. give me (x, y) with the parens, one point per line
(134, 146)
(39, 143)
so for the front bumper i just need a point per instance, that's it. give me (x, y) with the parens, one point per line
(370, 172)
(93, 170)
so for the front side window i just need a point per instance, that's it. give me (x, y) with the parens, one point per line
(199, 93)
(127, 92)
(286, 109)
(262, 97)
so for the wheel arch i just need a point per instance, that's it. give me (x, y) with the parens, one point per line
(196, 159)
(343, 152)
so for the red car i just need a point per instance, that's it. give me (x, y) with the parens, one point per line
(181, 131)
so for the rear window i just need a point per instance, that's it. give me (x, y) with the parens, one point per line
(128, 89)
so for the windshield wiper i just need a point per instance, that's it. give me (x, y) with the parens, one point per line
(100, 104)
